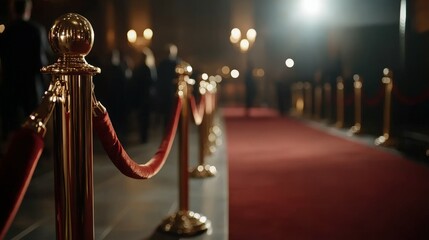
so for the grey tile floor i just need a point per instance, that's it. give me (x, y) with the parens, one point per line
(130, 209)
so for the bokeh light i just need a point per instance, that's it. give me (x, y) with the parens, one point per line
(251, 35)
(132, 36)
(235, 73)
(204, 76)
(289, 63)
(235, 35)
(225, 70)
(244, 45)
(148, 34)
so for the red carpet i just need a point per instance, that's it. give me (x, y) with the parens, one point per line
(290, 181)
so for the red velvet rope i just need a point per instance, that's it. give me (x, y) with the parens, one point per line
(117, 154)
(209, 102)
(349, 100)
(373, 101)
(410, 100)
(406, 100)
(198, 111)
(16, 171)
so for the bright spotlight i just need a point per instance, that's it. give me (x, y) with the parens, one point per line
(289, 62)
(311, 8)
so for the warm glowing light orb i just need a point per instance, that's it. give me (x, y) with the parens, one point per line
(235, 35)
(251, 35)
(225, 70)
(235, 73)
(148, 33)
(244, 45)
(204, 76)
(386, 71)
(289, 62)
(132, 36)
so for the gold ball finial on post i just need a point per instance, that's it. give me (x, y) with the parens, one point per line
(71, 38)
(184, 68)
(71, 34)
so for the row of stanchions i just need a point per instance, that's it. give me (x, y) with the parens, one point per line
(205, 128)
(71, 101)
(303, 101)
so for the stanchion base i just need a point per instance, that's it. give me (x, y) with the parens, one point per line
(383, 141)
(339, 124)
(185, 224)
(354, 130)
(203, 171)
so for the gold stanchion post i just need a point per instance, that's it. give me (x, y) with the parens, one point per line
(203, 170)
(293, 98)
(71, 37)
(214, 131)
(299, 105)
(308, 99)
(357, 127)
(317, 101)
(388, 83)
(328, 103)
(184, 222)
(340, 103)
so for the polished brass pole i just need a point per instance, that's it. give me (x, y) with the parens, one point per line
(388, 83)
(203, 170)
(209, 147)
(356, 128)
(308, 99)
(340, 103)
(71, 38)
(184, 222)
(215, 132)
(317, 102)
(328, 101)
(293, 95)
(300, 99)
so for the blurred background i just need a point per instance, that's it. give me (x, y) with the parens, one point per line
(321, 39)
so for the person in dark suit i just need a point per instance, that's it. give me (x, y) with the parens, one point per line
(112, 87)
(250, 88)
(166, 87)
(144, 78)
(24, 51)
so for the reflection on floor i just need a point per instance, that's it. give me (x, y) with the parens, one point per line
(126, 208)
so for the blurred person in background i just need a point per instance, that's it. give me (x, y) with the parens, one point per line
(250, 88)
(24, 50)
(110, 88)
(166, 87)
(143, 82)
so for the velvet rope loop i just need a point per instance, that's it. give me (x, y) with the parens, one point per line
(376, 99)
(349, 100)
(198, 111)
(117, 154)
(407, 100)
(16, 171)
